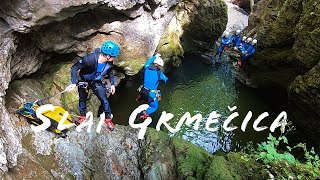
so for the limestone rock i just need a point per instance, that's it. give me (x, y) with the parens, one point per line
(202, 23)
(193, 29)
(157, 158)
(292, 24)
(103, 155)
(9, 140)
(288, 32)
(304, 98)
(307, 35)
(27, 59)
(137, 26)
(23, 15)
(273, 23)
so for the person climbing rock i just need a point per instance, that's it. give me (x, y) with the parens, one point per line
(149, 91)
(246, 44)
(247, 53)
(225, 42)
(93, 67)
(236, 38)
(240, 43)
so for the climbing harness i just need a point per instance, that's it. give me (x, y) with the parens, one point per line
(144, 94)
(83, 84)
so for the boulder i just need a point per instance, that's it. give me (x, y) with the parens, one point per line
(304, 99)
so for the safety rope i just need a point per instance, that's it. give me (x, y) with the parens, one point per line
(40, 100)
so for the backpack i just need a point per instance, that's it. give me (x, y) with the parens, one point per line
(28, 110)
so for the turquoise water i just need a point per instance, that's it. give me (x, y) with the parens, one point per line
(198, 88)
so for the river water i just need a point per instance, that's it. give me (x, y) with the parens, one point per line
(195, 87)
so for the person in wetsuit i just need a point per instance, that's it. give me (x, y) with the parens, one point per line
(92, 68)
(149, 92)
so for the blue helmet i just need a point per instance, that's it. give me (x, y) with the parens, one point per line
(110, 48)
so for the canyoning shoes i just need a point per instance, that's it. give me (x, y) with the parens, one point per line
(80, 120)
(109, 124)
(143, 115)
(239, 63)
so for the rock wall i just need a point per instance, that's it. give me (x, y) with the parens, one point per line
(288, 55)
(10, 145)
(202, 23)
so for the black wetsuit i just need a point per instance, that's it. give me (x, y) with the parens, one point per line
(88, 73)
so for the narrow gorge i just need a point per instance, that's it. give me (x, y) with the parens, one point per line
(41, 40)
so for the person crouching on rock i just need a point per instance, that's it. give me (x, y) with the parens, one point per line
(149, 91)
(240, 44)
(248, 52)
(93, 67)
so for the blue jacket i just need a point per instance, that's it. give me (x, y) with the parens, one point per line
(250, 50)
(244, 46)
(152, 75)
(226, 41)
(240, 43)
(88, 66)
(236, 39)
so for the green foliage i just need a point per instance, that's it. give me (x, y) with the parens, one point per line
(192, 161)
(312, 164)
(268, 150)
(270, 155)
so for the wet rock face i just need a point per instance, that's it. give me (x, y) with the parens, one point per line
(202, 23)
(274, 22)
(304, 101)
(10, 146)
(304, 90)
(81, 26)
(27, 59)
(103, 155)
(307, 35)
(157, 160)
(287, 33)
(193, 29)
(292, 24)
(22, 15)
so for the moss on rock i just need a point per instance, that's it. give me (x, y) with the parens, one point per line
(192, 161)
(170, 46)
(304, 100)
(157, 159)
(288, 32)
(307, 34)
(219, 169)
(266, 67)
